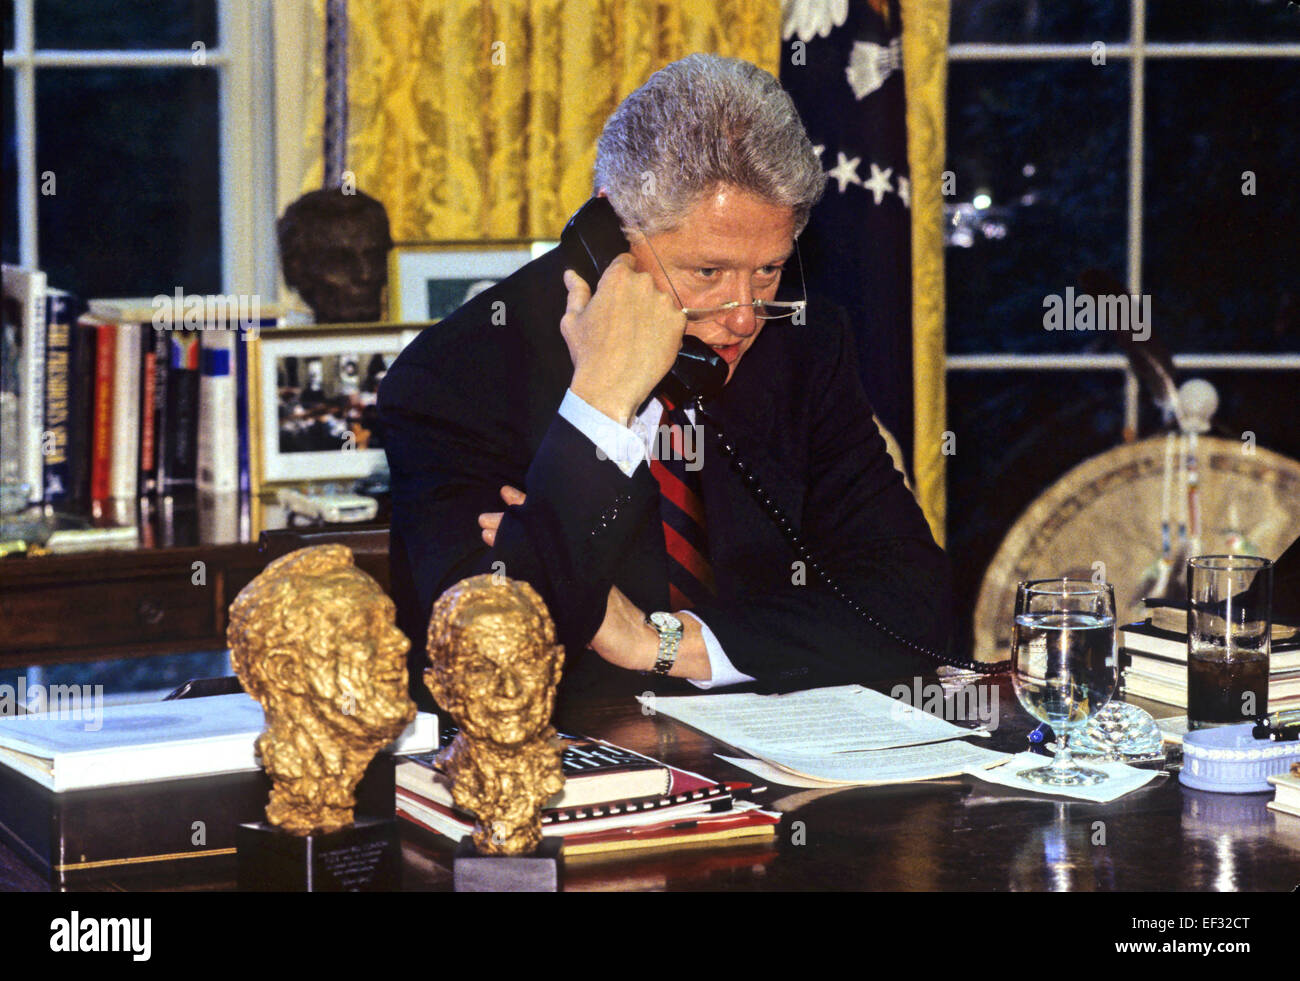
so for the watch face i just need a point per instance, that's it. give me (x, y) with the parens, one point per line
(665, 621)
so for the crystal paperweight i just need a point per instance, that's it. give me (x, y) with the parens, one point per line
(1120, 733)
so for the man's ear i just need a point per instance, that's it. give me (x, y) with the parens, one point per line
(441, 693)
(283, 672)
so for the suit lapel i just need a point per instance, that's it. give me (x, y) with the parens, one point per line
(746, 413)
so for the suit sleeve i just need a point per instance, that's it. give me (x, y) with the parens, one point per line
(452, 440)
(862, 524)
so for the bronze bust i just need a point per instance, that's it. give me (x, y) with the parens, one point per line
(495, 670)
(313, 639)
(334, 252)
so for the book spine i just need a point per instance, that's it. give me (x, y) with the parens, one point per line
(57, 475)
(182, 412)
(244, 448)
(162, 358)
(81, 407)
(125, 455)
(101, 440)
(148, 466)
(32, 380)
(218, 451)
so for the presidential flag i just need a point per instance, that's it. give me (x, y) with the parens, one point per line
(842, 63)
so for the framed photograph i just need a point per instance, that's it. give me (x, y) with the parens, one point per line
(427, 281)
(312, 409)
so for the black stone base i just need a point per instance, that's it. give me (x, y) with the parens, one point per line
(542, 872)
(367, 857)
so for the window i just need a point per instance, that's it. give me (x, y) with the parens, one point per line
(138, 157)
(1151, 141)
(134, 134)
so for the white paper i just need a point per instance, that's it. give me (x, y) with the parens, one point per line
(1123, 778)
(771, 774)
(817, 723)
(899, 765)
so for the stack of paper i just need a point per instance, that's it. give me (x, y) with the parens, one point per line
(853, 736)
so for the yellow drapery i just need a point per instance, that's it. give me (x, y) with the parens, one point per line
(478, 119)
(925, 72)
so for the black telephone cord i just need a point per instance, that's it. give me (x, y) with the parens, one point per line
(801, 550)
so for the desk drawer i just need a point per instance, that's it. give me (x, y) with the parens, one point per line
(106, 613)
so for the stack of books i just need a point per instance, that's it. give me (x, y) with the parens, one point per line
(88, 790)
(1155, 650)
(1286, 799)
(118, 402)
(613, 800)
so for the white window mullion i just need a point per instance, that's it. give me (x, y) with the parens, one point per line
(1118, 50)
(1033, 52)
(1136, 148)
(242, 114)
(139, 58)
(25, 133)
(1117, 362)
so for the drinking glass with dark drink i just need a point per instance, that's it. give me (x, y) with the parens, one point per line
(1229, 628)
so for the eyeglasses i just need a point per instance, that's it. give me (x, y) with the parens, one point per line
(763, 309)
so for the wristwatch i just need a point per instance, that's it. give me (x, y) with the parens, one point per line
(670, 639)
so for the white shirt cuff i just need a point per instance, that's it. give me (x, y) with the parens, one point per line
(613, 441)
(723, 671)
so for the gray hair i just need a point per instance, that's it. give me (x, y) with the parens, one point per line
(697, 123)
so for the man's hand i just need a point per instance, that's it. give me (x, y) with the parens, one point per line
(624, 638)
(490, 521)
(622, 340)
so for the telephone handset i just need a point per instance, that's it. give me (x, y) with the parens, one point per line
(590, 242)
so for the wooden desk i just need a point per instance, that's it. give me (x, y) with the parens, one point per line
(950, 835)
(170, 597)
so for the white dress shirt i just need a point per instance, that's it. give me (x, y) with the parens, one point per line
(628, 448)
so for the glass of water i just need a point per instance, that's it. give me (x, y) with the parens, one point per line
(1063, 665)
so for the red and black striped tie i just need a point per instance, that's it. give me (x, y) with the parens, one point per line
(681, 504)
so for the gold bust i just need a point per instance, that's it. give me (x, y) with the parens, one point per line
(495, 669)
(313, 639)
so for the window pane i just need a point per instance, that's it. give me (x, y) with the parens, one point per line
(10, 214)
(133, 24)
(1022, 431)
(1219, 261)
(7, 29)
(1039, 21)
(133, 154)
(1048, 144)
(1222, 20)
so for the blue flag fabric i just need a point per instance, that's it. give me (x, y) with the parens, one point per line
(842, 63)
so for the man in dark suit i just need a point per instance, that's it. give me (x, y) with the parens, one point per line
(539, 394)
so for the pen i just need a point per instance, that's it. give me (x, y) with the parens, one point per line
(1283, 726)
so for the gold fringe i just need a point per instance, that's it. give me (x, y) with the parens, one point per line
(925, 68)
